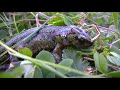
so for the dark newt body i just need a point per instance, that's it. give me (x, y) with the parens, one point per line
(53, 37)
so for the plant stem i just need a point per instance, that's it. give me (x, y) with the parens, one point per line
(39, 62)
(15, 24)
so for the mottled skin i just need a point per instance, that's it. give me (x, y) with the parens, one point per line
(53, 38)
(49, 37)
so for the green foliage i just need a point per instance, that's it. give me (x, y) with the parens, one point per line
(3, 33)
(67, 20)
(115, 54)
(115, 49)
(32, 71)
(65, 62)
(115, 16)
(45, 55)
(77, 64)
(60, 20)
(114, 74)
(56, 21)
(100, 54)
(14, 73)
(100, 62)
(114, 60)
(25, 51)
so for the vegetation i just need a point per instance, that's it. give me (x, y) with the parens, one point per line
(101, 60)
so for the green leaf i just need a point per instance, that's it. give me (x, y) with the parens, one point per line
(99, 20)
(33, 72)
(114, 60)
(25, 51)
(17, 72)
(56, 21)
(3, 33)
(6, 75)
(78, 64)
(107, 38)
(115, 17)
(67, 20)
(7, 23)
(65, 62)
(47, 56)
(30, 70)
(115, 54)
(114, 74)
(60, 20)
(100, 62)
(76, 17)
(38, 72)
(21, 26)
(115, 49)
(14, 73)
(47, 74)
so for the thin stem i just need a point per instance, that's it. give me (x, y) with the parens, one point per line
(4, 22)
(32, 14)
(15, 23)
(111, 66)
(5, 46)
(37, 21)
(43, 15)
(36, 61)
(114, 43)
(5, 16)
(93, 39)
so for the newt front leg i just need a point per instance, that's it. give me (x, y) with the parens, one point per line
(57, 52)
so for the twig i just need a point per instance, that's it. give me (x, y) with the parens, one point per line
(36, 17)
(15, 24)
(83, 17)
(9, 21)
(37, 21)
(32, 14)
(43, 15)
(87, 58)
(114, 67)
(111, 66)
(110, 45)
(97, 29)
(108, 29)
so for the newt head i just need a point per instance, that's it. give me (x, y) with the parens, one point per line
(83, 38)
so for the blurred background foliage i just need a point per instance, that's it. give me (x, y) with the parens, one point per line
(14, 23)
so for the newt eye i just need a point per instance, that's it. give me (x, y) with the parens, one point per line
(76, 37)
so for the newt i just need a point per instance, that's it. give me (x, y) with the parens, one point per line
(54, 38)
